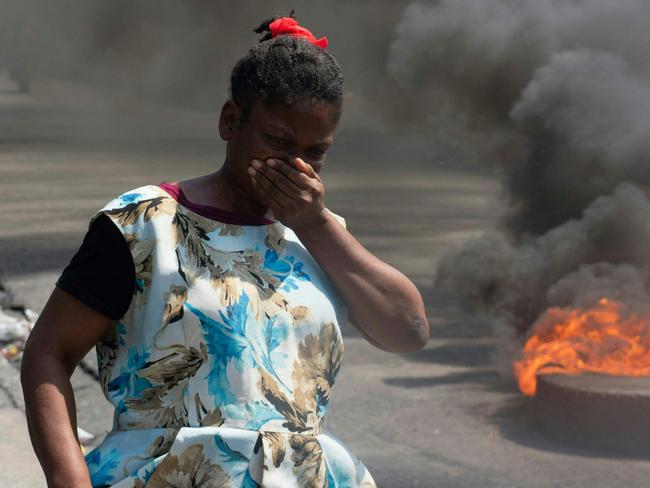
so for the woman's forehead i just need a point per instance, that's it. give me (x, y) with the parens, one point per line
(316, 115)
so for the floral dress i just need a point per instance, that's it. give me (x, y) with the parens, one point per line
(222, 368)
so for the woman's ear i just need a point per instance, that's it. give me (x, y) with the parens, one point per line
(228, 120)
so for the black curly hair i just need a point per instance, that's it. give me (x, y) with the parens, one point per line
(283, 69)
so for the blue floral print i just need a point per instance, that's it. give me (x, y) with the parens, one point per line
(222, 368)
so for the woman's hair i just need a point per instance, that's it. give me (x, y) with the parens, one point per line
(283, 69)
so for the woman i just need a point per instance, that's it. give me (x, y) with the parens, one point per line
(217, 333)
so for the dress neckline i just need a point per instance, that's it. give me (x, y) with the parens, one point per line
(210, 212)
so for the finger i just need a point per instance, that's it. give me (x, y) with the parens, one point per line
(271, 169)
(306, 168)
(268, 182)
(280, 200)
(299, 178)
(271, 196)
(269, 179)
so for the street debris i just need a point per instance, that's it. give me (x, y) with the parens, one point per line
(16, 323)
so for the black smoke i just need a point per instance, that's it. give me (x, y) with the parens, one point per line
(555, 93)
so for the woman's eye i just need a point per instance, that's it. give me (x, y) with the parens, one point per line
(277, 140)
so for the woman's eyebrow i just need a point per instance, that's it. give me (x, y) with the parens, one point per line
(319, 145)
(322, 145)
(279, 128)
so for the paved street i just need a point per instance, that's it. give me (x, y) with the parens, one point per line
(439, 417)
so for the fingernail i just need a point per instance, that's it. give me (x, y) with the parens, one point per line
(256, 164)
(270, 162)
(251, 170)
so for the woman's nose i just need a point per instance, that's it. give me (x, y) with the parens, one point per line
(289, 156)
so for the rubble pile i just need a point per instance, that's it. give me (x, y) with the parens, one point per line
(16, 322)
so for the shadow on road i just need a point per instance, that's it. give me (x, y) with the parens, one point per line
(520, 422)
(477, 359)
(488, 378)
(474, 355)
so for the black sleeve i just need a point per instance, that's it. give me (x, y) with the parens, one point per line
(101, 274)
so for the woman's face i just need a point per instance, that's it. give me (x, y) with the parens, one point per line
(304, 129)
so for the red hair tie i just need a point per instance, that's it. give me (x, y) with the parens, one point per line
(289, 25)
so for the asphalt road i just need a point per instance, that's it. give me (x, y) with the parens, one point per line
(439, 417)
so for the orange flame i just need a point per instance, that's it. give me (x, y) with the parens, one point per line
(604, 339)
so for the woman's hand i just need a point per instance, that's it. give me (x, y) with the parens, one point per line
(295, 193)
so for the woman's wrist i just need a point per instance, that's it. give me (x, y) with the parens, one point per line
(314, 226)
(72, 473)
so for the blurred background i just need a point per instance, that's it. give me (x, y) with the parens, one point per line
(472, 129)
(181, 52)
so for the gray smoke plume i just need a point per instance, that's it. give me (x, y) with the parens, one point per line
(565, 85)
(585, 115)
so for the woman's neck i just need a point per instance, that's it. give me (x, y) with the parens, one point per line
(220, 189)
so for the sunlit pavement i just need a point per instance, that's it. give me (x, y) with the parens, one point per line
(439, 417)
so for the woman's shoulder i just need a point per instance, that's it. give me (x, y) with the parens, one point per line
(137, 195)
(128, 206)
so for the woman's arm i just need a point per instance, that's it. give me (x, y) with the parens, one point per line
(384, 304)
(63, 334)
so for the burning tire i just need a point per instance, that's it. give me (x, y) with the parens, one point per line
(596, 411)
